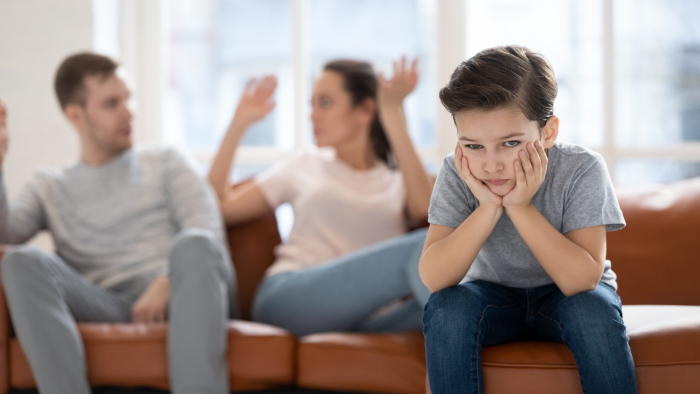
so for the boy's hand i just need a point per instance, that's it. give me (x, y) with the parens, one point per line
(151, 306)
(255, 102)
(4, 135)
(530, 170)
(403, 82)
(486, 197)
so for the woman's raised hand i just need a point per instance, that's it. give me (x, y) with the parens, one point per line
(256, 100)
(403, 82)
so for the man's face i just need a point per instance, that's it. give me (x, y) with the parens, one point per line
(491, 140)
(107, 114)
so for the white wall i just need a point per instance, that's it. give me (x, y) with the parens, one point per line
(35, 35)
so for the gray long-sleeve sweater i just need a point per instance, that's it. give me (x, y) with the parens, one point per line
(115, 221)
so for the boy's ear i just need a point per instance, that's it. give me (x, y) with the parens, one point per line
(550, 131)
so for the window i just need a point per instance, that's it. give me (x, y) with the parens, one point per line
(648, 53)
(628, 70)
(213, 47)
(569, 34)
(657, 90)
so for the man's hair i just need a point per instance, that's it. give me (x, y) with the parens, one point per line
(502, 76)
(69, 82)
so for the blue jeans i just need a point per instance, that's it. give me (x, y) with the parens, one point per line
(459, 320)
(342, 294)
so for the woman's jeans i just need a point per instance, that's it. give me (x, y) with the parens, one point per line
(459, 320)
(342, 294)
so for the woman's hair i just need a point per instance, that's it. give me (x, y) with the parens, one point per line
(360, 81)
(502, 76)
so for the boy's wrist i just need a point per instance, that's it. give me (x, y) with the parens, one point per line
(495, 210)
(518, 209)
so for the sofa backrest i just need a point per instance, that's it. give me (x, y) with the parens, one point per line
(656, 256)
(252, 246)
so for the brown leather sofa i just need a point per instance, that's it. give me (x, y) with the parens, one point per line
(655, 258)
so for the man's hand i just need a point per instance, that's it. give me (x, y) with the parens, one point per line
(392, 92)
(255, 102)
(530, 170)
(486, 197)
(4, 135)
(152, 305)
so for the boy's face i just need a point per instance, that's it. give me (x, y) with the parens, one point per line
(491, 140)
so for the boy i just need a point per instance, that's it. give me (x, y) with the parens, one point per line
(522, 218)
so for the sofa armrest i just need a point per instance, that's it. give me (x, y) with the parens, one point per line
(4, 336)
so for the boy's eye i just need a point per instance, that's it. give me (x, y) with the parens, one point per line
(324, 102)
(511, 143)
(473, 146)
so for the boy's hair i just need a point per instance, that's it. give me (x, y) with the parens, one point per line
(502, 76)
(70, 76)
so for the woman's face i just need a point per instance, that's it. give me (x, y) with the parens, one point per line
(335, 120)
(491, 140)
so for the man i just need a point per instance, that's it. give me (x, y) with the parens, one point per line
(138, 238)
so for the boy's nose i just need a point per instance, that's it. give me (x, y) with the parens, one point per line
(493, 165)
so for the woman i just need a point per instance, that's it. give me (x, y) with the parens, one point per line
(348, 264)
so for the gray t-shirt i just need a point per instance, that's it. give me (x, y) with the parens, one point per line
(116, 221)
(576, 193)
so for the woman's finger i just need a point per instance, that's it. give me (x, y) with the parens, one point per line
(414, 70)
(250, 85)
(381, 79)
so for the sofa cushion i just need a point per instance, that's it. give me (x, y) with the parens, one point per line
(655, 256)
(377, 363)
(665, 342)
(134, 355)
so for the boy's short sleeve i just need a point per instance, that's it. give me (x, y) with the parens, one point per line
(591, 201)
(451, 202)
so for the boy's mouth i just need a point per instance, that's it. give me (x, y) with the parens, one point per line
(496, 182)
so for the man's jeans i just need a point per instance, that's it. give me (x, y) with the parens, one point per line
(459, 320)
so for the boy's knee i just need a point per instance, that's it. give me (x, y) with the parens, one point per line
(452, 309)
(597, 313)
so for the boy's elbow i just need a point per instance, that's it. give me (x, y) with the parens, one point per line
(427, 280)
(581, 286)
